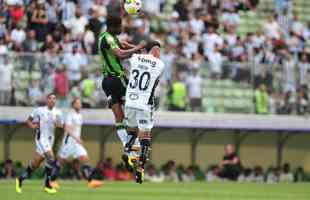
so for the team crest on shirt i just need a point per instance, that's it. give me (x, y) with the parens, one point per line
(143, 121)
(133, 96)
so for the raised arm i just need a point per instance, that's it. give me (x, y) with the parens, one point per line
(127, 45)
(110, 43)
(126, 53)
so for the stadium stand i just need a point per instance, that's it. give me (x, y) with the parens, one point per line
(239, 37)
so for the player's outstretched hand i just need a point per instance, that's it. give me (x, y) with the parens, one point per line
(142, 45)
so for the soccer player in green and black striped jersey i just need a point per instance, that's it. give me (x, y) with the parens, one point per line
(114, 82)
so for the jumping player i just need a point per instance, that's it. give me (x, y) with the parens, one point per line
(145, 72)
(114, 83)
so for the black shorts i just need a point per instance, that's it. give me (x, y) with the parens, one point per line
(115, 87)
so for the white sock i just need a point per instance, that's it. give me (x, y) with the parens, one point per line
(122, 134)
(137, 142)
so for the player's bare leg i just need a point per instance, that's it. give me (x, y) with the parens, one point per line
(33, 164)
(88, 172)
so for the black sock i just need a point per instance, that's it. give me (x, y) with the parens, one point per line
(26, 174)
(88, 172)
(51, 169)
(131, 140)
(145, 144)
(55, 171)
(48, 176)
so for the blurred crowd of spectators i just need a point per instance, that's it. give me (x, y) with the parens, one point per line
(169, 172)
(198, 36)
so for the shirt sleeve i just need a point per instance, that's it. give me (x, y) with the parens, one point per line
(133, 60)
(60, 117)
(69, 120)
(109, 42)
(35, 115)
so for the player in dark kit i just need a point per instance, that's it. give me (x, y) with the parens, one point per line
(115, 81)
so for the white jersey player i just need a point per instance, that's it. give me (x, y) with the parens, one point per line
(44, 120)
(72, 145)
(45, 134)
(145, 72)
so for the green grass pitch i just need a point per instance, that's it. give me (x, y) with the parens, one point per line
(33, 190)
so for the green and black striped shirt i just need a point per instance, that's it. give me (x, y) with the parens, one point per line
(111, 63)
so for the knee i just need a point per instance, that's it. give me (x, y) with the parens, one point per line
(132, 131)
(35, 164)
(145, 136)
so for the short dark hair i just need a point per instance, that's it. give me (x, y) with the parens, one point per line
(150, 44)
(50, 94)
(74, 100)
(113, 20)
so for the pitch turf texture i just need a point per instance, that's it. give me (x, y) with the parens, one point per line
(159, 191)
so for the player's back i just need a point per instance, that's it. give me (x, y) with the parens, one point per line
(144, 76)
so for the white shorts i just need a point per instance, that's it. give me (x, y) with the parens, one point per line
(44, 144)
(71, 149)
(139, 118)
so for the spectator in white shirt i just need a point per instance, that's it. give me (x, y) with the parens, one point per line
(306, 34)
(35, 94)
(188, 175)
(258, 174)
(238, 49)
(230, 37)
(285, 21)
(6, 77)
(68, 10)
(152, 176)
(272, 175)
(153, 6)
(77, 24)
(194, 88)
(286, 176)
(74, 61)
(304, 68)
(89, 40)
(259, 39)
(3, 47)
(297, 26)
(289, 72)
(210, 40)
(215, 64)
(272, 29)
(196, 24)
(168, 57)
(18, 35)
(231, 19)
(100, 8)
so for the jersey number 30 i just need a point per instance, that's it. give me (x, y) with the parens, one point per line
(142, 80)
